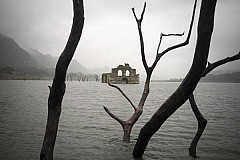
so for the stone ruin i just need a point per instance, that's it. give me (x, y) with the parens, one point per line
(123, 74)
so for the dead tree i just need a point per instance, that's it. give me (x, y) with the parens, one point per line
(128, 124)
(79, 79)
(97, 78)
(180, 96)
(70, 76)
(58, 87)
(202, 122)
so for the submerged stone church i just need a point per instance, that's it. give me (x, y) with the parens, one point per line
(123, 74)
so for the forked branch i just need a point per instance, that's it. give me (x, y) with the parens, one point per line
(110, 113)
(159, 55)
(139, 22)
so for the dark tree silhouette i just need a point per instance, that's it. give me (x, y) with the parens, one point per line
(180, 96)
(128, 124)
(58, 87)
(202, 122)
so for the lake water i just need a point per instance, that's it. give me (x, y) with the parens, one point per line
(87, 132)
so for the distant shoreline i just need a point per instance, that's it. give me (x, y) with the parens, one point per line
(153, 81)
(221, 78)
(201, 81)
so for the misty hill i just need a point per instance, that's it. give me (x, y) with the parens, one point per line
(49, 61)
(11, 54)
(225, 78)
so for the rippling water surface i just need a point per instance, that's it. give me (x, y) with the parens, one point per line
(87, 132)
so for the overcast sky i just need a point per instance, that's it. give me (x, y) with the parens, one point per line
(110, 35)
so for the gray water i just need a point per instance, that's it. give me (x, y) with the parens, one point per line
(87, 132)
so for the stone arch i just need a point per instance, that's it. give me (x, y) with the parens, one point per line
(125, 81)
(119, 73)
(127, 73)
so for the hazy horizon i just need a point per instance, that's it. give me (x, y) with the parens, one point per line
(110, 35)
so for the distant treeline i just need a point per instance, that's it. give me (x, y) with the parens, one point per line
(10, 73)
(223, 78)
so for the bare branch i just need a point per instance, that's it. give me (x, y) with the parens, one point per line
(173, 34)
(135, 16)
(142, 14)
(212, 66)
(188, 36)
(139, 22)
(161, 36)
(159, 55)
(113, 116)
(123, 95)
(143, 11)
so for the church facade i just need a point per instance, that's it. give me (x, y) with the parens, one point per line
(123, 74)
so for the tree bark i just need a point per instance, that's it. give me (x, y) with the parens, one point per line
(58, 86)
(205, 28)
(202, 122)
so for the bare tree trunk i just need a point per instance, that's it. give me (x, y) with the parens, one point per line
(205, 28)
(58, 86)
(202, 122)
(127, 129)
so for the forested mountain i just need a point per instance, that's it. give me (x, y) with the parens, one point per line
(15, 62)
